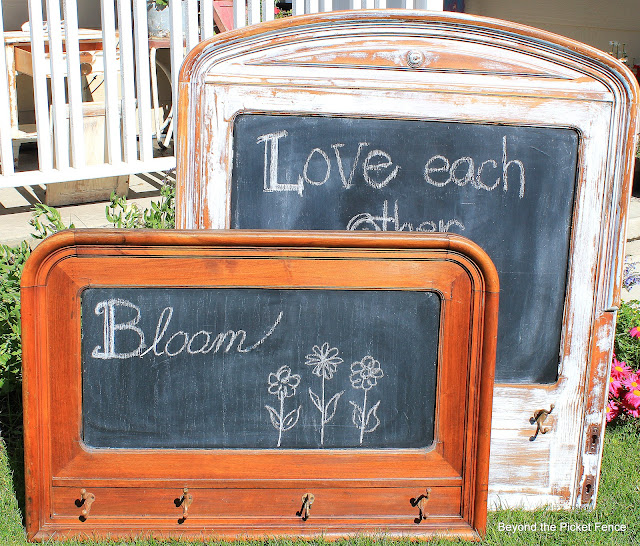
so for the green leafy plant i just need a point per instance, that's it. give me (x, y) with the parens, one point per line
(46, 220)
(281, 13)
(627, 348)
(162, 214)
(122, 214)
(12, 261)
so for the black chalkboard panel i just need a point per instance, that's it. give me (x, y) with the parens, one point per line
(509, 189)
(250, 368)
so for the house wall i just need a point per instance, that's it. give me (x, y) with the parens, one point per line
(593, 22)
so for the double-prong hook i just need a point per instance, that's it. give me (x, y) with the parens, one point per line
(538, 419)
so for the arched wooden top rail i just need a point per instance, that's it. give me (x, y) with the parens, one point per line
(68, 242)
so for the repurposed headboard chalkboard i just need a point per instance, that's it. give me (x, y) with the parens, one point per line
(311, 383)
(521, 140)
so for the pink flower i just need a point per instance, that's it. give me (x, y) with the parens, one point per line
(613, 410)
(632, 400)
(632, 382)
(630, 410)
(615, 388)
(620, 370)
(634, 332)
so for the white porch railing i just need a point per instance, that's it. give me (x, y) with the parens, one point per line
(59, 53)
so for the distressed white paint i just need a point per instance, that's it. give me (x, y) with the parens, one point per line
(74, 83)
(143, 80)
(45, 146)
(468, 76)
(6, 153)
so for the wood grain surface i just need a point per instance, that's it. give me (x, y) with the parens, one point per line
(125, 492)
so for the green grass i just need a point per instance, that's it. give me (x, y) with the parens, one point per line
(618, 504)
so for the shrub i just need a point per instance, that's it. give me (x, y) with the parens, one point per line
(624, 383)
(161, 215)
(45, 221)
(12, 261)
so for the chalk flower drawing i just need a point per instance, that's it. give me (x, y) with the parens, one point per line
(364, 375)
(325, 360)
(283, 384)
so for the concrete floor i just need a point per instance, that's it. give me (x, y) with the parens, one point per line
(16, 205)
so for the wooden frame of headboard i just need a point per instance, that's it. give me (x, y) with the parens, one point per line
(75, 490)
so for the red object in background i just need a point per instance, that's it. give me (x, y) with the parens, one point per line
(636, 71)
(223, 14)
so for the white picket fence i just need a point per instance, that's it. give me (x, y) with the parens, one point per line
(53, 51)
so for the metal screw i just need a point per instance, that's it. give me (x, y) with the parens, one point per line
(415, 58)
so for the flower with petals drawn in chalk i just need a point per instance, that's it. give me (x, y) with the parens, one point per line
(325, 359)
(283, 383)
(365, 373)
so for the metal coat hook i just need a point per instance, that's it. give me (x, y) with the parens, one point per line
(538, 419)
(85, 501)
(307, 501)
(421, 503)
(185, 501)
